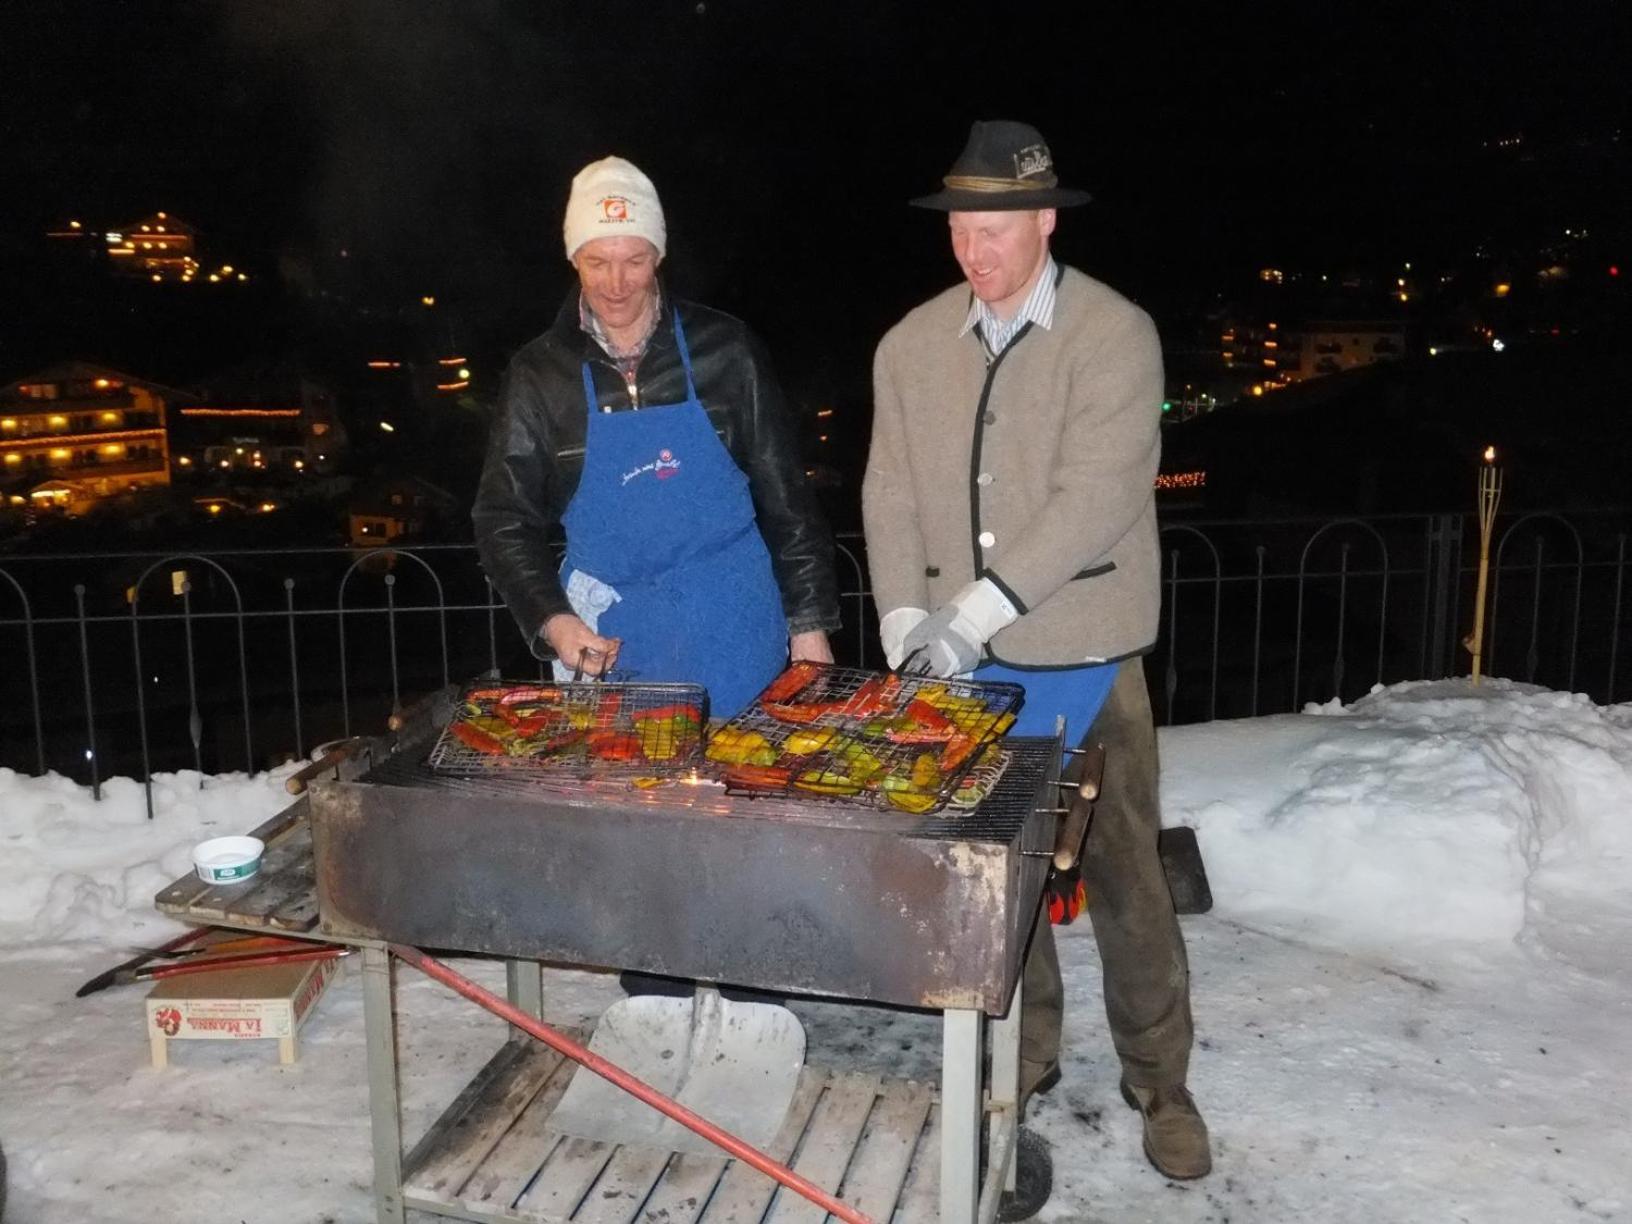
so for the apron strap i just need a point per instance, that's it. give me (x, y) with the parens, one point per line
(685, 357)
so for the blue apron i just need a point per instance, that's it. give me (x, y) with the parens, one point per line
(662, 529)
(1076, 692)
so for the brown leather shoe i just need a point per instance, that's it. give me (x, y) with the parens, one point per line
(1175, 1135)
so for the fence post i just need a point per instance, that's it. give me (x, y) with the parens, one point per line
(1442, 574)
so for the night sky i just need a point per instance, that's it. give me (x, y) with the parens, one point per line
(435, 141)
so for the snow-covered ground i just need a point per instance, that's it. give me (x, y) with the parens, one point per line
(1413, 998)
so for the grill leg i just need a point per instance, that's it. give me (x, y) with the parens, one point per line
(1006, 1078)
(524, 987)
(960, 1115)
(384, 1103)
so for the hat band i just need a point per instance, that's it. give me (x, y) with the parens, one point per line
(971, 182)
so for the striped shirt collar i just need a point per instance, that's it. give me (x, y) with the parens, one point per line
(596, 330)
(1038, 308)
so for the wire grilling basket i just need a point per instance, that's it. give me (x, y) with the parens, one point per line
(861, 737)
(588, 729)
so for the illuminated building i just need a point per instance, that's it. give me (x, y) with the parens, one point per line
(76, 434)
(258, 423)
(158, 246)
(385, 511)
(1332, 346)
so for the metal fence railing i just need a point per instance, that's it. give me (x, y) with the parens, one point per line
(135, 662)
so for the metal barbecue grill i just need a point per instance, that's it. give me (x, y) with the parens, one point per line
(774, 892)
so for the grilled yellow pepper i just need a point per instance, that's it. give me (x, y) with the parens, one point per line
(735, 746)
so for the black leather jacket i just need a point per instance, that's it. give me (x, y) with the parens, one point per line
(536, 455)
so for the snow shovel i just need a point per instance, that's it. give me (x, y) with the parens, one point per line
(735, 1063)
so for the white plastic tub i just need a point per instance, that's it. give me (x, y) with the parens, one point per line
(226, 860)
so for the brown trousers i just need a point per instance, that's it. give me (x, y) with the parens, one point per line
(1146, 973)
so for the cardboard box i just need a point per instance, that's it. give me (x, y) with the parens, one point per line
(261, 1002)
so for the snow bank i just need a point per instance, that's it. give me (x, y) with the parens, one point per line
(74, 868)
(1424, 812)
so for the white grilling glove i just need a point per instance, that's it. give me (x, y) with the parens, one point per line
(893, 628)
(949, 642)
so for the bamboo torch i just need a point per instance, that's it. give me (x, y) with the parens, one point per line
(1490, 496)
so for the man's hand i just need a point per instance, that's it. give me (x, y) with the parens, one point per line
(949, 642)
(579, 646)
(811, 647)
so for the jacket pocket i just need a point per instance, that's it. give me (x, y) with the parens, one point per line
(1093, 571)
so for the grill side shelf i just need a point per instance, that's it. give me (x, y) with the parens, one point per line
(281, 896)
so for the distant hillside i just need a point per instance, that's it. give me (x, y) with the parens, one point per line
(1407, 436)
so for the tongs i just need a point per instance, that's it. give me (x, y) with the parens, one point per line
(915, 665)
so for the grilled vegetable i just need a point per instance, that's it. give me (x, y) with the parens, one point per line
(608, 745)
(808, 740)
(758, 777)
(795, 678)
(821, 782)
(911, 801)
(484, 734)
(734, 746)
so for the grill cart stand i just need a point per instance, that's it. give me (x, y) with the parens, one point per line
(931, 912)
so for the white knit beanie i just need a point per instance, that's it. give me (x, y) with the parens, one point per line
(611, 198)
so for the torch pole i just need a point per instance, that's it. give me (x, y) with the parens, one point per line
(1490, 496)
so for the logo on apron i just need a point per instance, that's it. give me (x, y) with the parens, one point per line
(664, 466)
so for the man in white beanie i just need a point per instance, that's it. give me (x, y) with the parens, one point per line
(652, 433)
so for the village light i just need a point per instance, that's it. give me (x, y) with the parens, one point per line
(464, 372)
(427, 300)
(1497, 344)
(388, 427)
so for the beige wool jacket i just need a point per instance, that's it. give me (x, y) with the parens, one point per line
(1036, 471)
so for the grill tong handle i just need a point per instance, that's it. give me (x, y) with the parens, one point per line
(1073, 829)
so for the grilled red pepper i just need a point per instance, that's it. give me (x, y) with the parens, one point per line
(795, 678)
(758, 777)
(921, 723)
(801, 714)
(958, 749)
(875, 696)
(473, 736)
(611, 745)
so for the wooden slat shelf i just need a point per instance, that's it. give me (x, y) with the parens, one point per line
(494, 1156)
(282, 896)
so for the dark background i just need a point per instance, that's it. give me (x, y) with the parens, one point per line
(433, 144)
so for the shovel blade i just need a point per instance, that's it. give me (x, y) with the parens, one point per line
(734, 1063)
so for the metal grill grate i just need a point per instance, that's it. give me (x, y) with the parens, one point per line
(586, 730)
(998, 817)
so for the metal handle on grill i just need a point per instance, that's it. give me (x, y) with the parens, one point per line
(1073, 830)
(296, 782)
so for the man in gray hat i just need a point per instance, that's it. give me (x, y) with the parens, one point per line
(1011, 532)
